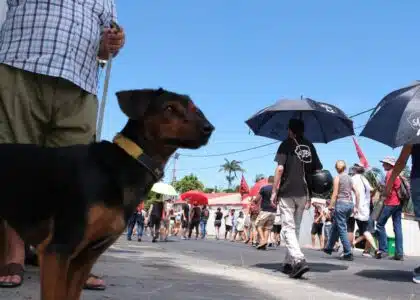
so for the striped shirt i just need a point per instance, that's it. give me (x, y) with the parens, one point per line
(58, 38)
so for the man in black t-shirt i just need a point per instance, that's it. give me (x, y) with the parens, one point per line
(297, 160)
(265, 219)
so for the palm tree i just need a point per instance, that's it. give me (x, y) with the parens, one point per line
(258, 177)
(231, 168)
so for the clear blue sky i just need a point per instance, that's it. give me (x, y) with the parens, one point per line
(236, 57)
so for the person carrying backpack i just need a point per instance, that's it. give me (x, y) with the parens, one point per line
(204, 217)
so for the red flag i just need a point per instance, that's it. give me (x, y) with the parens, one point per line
(360, 154)
(243, 188)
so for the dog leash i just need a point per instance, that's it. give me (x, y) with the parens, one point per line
(105, 91)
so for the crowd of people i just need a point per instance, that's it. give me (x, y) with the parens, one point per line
(276, 212)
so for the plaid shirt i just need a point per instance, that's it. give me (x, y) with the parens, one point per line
(57, 38)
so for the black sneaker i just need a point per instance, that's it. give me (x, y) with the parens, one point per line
(287, 269)
(327, 251)
(299, 269)
(139, 240)
(154, 240)
(397, 257)
(380, 255)
(347, 257)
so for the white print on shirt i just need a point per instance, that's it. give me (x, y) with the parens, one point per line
(414, 120)
(304, 154)
(328, 108)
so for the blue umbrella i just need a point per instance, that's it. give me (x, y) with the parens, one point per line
(323, 122)
(396, 119)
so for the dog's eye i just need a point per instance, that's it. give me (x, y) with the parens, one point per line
(169, 108)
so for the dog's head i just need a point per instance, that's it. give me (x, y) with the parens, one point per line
(168, 117)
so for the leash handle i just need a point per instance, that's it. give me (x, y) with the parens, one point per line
(101, 114)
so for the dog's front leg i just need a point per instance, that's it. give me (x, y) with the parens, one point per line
(54, 268)
(81, 265)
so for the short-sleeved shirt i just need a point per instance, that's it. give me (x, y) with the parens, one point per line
(56, 38)
(186, 209)
(392, 199)
(415, 160)
(218, 216)
(157, 209)
(299, 161)
(197, 213)
(265, 193)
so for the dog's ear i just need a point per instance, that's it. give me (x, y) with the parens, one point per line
(134, 103)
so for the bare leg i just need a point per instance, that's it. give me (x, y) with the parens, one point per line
(14, 248)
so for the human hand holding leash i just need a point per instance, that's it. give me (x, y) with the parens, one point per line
(113, 39)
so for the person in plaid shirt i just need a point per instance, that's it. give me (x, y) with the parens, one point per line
(49, 53)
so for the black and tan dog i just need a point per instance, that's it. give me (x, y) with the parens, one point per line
(74, 202)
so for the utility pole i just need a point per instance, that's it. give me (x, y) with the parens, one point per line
(176, 157)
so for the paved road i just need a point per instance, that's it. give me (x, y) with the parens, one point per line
(223, 270)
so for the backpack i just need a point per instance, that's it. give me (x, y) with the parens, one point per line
(404, 192)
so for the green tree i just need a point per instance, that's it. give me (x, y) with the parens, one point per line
(258, 177)
(231, 168)
(188, 183)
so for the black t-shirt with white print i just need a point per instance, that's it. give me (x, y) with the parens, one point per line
(294, 157)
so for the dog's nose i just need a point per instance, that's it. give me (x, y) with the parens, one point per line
(207, 128)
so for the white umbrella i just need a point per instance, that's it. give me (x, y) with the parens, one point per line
(164, 189)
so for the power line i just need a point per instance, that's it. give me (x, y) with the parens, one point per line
(232, 152)
(268, 144)
(218, 166)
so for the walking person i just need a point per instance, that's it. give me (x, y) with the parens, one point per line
(137, 218)
(392, 208)
(254, 211)
(240, 227)
(185, 220)
(407, 151)
(195, 221)
(296, 160)
(277, 228)
(204, 217)
(317, 227)
(343, 206)
(327, 214)
(267, 215)
(362, 218)
(218, 222)
(48, 95)
(156, 212)
(229, 222)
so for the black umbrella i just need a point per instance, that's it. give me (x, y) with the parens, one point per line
(323, 122)
(396, 119)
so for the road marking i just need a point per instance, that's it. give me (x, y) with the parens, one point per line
(273, 286)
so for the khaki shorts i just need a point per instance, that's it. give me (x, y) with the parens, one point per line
(265, 220)
(44, 110)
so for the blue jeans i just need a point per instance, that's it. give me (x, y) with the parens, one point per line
(327, 233)
(343, 211)
(140, 229)
(203, 226)
(395, 212)
(415, 196)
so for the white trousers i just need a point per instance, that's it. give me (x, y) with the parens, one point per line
(291, 211)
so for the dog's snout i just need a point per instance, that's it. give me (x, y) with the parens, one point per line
(207, 128)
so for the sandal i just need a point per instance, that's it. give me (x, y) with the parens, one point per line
(94, 287)
(12, 269)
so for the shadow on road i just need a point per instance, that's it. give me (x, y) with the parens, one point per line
(315, 267)
(387, 275)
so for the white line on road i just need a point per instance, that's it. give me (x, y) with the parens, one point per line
(274, 286)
